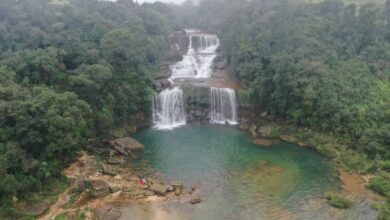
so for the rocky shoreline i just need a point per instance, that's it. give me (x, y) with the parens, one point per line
(99, 186)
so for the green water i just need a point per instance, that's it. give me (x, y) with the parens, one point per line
(238, 179)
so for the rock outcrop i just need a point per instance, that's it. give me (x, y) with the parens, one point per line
(126, 145)
(159, 189)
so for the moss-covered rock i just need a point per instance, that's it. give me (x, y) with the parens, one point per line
(328, 150)
(270, 131)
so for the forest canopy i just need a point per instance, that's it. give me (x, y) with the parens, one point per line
(69, 72)
(319, 64)
(74, 70)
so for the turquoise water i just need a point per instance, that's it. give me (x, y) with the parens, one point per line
(236, 178)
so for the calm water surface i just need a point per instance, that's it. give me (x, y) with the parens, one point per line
(237, 179)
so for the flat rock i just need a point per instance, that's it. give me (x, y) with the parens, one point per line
(35, 209)
(107, 212)
(159, 188)
(262, 141)
(126, 145)
(149, 193)
(108, 171)
(100, 188)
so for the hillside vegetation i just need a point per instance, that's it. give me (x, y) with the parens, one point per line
(68, 72)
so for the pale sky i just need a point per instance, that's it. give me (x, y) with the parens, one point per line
(167, 1)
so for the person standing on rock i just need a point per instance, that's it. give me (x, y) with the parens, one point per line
(142, 180)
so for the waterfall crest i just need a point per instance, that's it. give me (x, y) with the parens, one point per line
(169, 109)
(198, 60)
(223, 106)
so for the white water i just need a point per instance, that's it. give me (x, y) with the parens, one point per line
(223, 106)
(197, 63)
(169, 109)
(169, 106)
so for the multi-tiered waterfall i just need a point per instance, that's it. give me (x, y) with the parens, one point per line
(169, 106)
(223, 106)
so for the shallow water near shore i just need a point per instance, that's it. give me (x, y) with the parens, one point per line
(236, 178)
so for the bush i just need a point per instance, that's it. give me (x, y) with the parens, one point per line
(384, 211)
(353, 161)
(337, 201)
(380, 184)
(327, 150)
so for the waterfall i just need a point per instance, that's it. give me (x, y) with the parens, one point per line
(169, 106)
(169, 109)
(223, 106)
(198, 60)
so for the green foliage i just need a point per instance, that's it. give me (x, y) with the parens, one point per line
(381, 184)
(318, 64)
(384, 211)
(353, 161)
(337, 201)
(69, 71)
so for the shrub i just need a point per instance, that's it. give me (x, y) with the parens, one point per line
(337, 201)
(380, 184)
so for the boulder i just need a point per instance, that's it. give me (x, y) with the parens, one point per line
(83, 199)
(195, 198)
(149, 193)
(99, 188)
(267, 131)
(106, 212)
(289, 139)
(115, 160)
(35, 209)
(108, 171)
(126, 145)
(177, 187)
(264, 114)
(77, 186)
(252, 130)
(170, 189)
(159, 188)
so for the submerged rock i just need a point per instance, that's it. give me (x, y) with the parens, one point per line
(262, 141)
(195, 198)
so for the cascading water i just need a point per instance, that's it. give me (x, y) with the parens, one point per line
(199, 58)
(169, 109)
(169, 106)
(223, 106)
